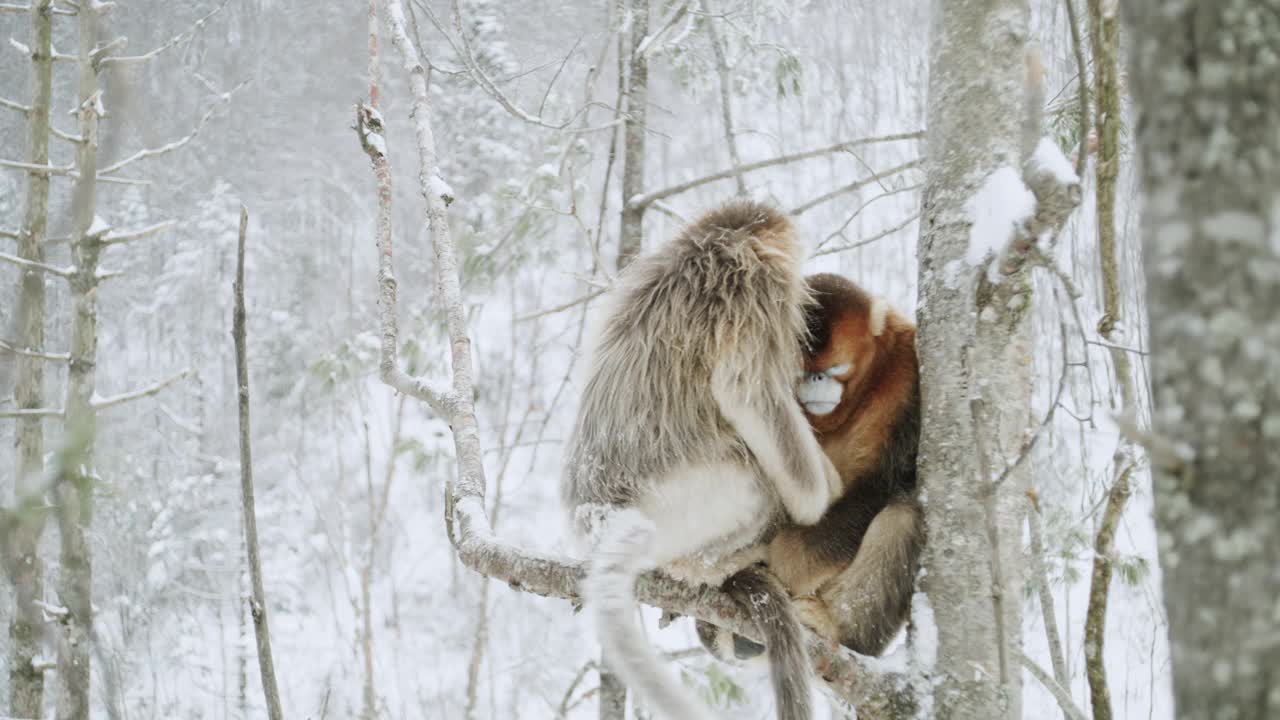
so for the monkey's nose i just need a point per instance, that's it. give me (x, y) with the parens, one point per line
(813, 377)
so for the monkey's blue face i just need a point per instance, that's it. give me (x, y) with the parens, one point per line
(819, 392)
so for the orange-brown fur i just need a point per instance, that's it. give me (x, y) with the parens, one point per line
(852, 572)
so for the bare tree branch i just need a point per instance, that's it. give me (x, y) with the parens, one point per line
(27, 352)
(32, 412)
(258, 601)
(856, 185)
(8, 8)
(1058, 691)
(170, 147)
(648, 198)
(1040, 573)
(874, 238)
(102, 403)
(16, 106)
(563, 306)
(726, 105)
(131, 59)
(63, 272)
(115, 238)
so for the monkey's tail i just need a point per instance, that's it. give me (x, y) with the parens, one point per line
(622, 552)
(764, 597)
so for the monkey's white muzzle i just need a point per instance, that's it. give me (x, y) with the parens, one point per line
(819, 393)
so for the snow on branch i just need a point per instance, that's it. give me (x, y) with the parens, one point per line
(873, 692)
(17, 106)
(129, 59)
(63, 272)
(11, 234)
(32, 412)
(102, 403)
(7, 8)
(6, 347)
(114, 238)
(170, 147)
(642, 201)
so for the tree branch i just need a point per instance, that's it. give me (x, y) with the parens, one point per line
(131, 59)
(1059, 692)
(63, 272)
(32, 412)
(124, 236)
(170, 147)
(855, 185)
(466, 521)
(16, 106)
(648, 198)
(102, 403)
(27, 352)
(1040, 572)
(722, 73)
(874, 238)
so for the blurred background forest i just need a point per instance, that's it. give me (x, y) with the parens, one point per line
(372, 615)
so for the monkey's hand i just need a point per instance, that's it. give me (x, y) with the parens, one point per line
(778, 436)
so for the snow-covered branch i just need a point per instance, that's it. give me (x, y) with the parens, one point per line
(649, 198)
(64, 272)
(6, 347)
(37, 168)
(19, 107)
(32, 412)
(102, 403)
(170, 147)
(8, 8)
(128, 59)
(114, 238)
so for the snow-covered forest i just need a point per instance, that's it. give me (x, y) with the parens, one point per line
(980, 164)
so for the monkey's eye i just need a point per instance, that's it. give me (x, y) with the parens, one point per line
(838, 369)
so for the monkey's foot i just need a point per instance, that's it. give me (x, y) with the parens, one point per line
(812, 612)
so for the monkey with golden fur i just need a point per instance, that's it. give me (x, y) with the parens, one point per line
(689, 446)
(852, 574)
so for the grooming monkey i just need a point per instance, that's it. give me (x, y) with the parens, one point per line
(689, 445)
(852, 573)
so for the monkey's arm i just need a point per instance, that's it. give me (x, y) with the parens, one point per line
(771, 424)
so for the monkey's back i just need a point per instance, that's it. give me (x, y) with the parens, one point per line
(720, 297)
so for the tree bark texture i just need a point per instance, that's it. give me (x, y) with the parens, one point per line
(26, 682)
(975, 344)
(74, 487)
(1204, 78)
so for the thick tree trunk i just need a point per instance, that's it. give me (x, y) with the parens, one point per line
(1204, 75)
(975, 345)
(26, 681)
(75, 484)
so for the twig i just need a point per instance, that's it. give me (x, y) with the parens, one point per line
(855, 185)
(839, 232)
(874, 238)
(650, 45)
(563, 306)
(171, 146)
(1095, 625)
(258, 601)
(648, 198)
(1058, 691)
(102, 403)
(130, 59)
